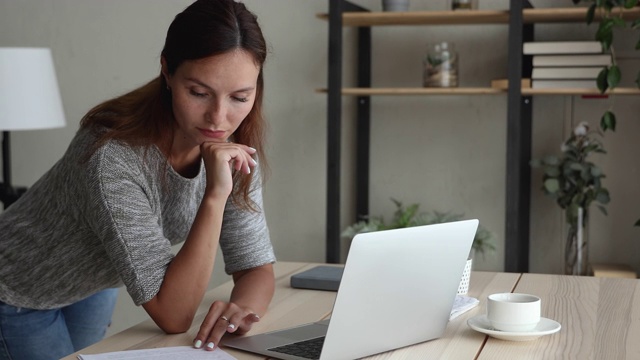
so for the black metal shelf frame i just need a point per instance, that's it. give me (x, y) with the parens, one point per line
(518, 154)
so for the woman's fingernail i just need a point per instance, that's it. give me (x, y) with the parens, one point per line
(254, 162)
(210, 346)
(198, 344)
(231, 327)
(252, 149)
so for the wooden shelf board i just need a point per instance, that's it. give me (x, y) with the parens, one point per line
(476, 91)
(578, 91)
(548, 15)
(418, 91)
(423, 18)
(577, 14)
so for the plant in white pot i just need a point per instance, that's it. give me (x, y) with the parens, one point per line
(411, 216)
(395, 5)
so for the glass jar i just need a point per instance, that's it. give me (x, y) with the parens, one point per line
(461, 5)
(441, 66)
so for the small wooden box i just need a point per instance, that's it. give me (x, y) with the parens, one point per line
(614, 271)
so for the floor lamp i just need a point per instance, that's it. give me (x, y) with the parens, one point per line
(29, 100)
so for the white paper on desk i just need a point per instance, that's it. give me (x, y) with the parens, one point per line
(168, 353)
(462, 304)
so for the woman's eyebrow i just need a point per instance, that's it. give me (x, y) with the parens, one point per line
(248, 88)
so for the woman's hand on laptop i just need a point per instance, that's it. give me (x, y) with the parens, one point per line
(252, 292)
(223, 317)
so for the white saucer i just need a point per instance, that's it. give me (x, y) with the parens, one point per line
(545, 327)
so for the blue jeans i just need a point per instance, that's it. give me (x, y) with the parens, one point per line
(52, 334)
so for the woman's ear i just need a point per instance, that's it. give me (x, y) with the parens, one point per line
(165, 72)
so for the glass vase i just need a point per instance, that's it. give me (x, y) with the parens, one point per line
(576, 256)
(441, 66)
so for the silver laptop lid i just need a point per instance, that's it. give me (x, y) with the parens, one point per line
(398, 288)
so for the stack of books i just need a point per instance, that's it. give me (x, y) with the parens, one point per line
(566, 64)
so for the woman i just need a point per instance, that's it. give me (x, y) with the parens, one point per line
(172, 161)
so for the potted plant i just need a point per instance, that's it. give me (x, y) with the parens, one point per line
(575, 182)
(395, 5)
(410, 216)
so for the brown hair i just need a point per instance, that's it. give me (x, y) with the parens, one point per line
(144, 116)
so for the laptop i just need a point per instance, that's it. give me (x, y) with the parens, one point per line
(397, 289)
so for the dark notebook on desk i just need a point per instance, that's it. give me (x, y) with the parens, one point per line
(321, 277)
(397, 289)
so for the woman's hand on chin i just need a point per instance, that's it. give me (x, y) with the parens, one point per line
(220, 159)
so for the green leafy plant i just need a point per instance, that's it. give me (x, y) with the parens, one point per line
(571, 179)
(410, 216)
(435, 61)
(611, 17)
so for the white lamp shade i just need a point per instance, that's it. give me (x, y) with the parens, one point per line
(29, 94)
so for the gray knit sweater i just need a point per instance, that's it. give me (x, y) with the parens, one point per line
(89, 225)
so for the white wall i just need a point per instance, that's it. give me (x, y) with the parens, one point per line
(444, 152)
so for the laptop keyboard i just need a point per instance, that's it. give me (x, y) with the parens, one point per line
(308, 349)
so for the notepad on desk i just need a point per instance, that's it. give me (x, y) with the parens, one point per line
(168, 353)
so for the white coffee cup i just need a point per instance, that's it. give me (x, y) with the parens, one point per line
(513, 312)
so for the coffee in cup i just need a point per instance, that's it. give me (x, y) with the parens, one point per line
(513, 312)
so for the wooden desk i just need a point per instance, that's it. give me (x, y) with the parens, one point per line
(598, 317)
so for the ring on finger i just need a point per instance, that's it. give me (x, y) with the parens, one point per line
(230, 326)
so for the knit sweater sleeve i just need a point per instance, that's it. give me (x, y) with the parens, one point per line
(244, 239)
(123, 211)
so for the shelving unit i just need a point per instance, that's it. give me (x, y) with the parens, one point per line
(520, 19)
(475, 17)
